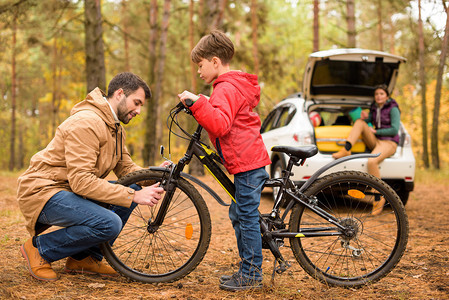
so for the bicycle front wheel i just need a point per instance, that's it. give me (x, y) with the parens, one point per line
(166, 253)
(375, 234)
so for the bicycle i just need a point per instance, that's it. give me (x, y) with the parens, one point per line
(330, 230)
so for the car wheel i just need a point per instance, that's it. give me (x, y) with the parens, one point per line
(399, 188)
(403, 194)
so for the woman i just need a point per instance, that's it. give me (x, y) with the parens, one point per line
(383, 138)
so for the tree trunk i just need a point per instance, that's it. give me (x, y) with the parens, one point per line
(95, 68)
(160, 71)
(350, 18)
(192, 44)
(316, 25)
(422, 79)
(125, 35)
(218, 15)
(55, 93)
(254, 36)
(12, 157)
(21, 146)
(436, 107)
(392, 32)
(379, 25)
(211, 15)
(149, 149)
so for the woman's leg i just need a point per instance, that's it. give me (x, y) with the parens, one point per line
(386, 149)
(360, 128)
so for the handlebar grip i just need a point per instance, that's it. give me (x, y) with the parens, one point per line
(189, 102)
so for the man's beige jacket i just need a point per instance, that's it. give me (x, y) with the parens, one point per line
(87, 146)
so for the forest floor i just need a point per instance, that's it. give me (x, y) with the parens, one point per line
(423, 272)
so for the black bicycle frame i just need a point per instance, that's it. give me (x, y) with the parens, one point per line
(208, 157)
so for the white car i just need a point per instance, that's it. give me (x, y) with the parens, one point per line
(337, 85)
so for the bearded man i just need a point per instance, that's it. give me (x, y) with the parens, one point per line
(65, 184)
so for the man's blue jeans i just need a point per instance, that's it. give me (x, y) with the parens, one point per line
(244, 215)
(85, 225)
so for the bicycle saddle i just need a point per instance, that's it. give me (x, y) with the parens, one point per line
(297, 152)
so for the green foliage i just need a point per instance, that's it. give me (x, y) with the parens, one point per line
(51, 69)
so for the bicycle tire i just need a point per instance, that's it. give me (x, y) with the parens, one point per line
(377, 244)
(175, 248)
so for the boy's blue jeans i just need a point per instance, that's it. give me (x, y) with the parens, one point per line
(85, 225)
(244, 215)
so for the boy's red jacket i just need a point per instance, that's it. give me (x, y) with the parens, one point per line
(233, 127)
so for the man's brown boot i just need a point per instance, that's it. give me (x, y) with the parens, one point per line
(89, 265)
(342, 153)
(38, 267)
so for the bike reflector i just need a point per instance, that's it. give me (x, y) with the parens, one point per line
(356, 194)
(189, 231)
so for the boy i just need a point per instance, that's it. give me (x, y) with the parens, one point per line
(234, 130)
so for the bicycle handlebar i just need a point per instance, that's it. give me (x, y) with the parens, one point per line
(181, 106)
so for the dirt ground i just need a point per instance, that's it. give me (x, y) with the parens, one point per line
(423, 272)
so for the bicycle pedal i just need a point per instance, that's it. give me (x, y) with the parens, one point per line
(283, 266)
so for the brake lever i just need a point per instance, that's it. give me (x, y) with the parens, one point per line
(180, 107)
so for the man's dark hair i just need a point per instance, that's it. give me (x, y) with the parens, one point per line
(130, 83)
(217, 44)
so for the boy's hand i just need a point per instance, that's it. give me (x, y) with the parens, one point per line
(187, 95)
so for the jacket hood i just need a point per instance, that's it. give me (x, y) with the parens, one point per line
(96, 102)
(246, 84)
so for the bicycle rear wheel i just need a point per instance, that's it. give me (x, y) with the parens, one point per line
(372, 245)
(166, 253)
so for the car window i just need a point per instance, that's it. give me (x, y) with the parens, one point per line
(286, 116)
(279, 117)
(267, 124)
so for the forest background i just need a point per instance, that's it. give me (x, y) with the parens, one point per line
(53, 52)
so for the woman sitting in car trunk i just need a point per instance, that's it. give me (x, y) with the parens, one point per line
(383, 138)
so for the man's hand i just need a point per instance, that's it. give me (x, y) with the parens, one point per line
(149, 195)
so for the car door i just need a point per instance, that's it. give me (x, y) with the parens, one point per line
(275, 126)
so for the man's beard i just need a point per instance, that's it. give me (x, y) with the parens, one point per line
(122, 112)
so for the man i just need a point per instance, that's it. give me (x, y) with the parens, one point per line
(65, 183)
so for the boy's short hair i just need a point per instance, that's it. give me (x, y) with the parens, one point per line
(129, 82)
(216, 43)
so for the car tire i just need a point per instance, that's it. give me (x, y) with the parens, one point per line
(399, 188)
(403, 195)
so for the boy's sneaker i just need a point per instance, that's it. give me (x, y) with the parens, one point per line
(224, 278)
(238, 283)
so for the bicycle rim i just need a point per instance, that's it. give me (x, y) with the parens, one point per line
(375, 243)
(166, 253)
